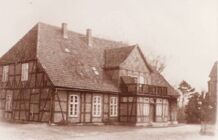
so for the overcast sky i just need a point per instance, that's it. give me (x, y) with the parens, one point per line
(185, 31)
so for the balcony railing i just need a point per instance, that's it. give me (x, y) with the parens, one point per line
(145, 89)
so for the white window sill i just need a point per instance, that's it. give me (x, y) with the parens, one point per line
(73, 116)
(113, 115)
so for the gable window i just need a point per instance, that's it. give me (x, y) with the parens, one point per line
(96, 112)
(113, 106)
(25, 72)
(5, 73)
(8, 104)
(74, 106)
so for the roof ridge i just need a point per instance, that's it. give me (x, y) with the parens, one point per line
(82, 34)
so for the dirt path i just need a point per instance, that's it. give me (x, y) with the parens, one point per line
(9, 131)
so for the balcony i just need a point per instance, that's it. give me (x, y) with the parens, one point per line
(135, 88)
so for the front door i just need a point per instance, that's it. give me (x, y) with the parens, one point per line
(152, 113)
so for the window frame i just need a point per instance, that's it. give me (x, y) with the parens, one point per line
(113, 106)
(146, 107)
(159, 107)
(165, 108)
(141, 79)
(24, 71)
(97, 106)
(8, 101)
(74, 105)
(5, 73)
(95, 70)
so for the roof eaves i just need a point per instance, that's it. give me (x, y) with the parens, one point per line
(82, 89)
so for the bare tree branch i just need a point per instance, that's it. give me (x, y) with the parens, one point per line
(158, 62)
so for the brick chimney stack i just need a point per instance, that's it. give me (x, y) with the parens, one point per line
(89, 37)
(64, 30)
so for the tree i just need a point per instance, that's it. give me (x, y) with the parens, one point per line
(187, 92)
(158, 63)
(208, 109)
(193, 109)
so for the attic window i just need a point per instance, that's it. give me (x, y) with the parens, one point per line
(67, 50)
(95, 70)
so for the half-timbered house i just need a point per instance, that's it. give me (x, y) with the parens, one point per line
(59, 76)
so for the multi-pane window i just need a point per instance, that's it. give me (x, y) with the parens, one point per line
(5, 73)
(146, 107)
(159, 107)
(8, 104)
(113, 106)
(74, 106)
(24, 72)
(97, 105)
(165, 108)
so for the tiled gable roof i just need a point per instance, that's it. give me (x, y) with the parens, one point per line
(23, 50)
(71, 63)
(114, 57)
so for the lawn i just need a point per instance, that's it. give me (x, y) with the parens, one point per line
(11, 131)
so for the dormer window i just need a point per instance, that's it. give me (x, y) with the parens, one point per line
(5, 73)
(25, 72)
(66, 50)
(95, 70)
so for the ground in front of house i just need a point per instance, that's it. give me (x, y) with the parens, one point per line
(12, 131)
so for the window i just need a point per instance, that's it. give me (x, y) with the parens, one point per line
(66, 50)
(159, 108)
(113, 106)
(96, 112)
(95, 70)
(164, 90)
(74, 106)
(8, 104)
(24, 72)
(146, 107)
(5, 73)
(130, 99)
(141, 80)
(165, 108)
(124, 99)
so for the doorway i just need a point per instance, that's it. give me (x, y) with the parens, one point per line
(152, 113)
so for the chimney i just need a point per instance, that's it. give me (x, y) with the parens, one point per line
(89, 37)
(64, 30)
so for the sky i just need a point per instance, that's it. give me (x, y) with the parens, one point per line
(185, 32)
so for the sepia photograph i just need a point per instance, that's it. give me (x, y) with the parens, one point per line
(108, 69)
